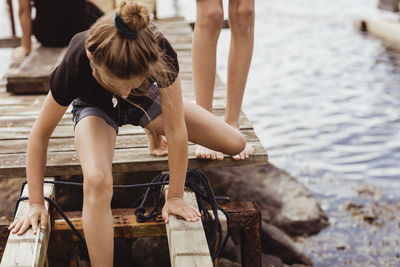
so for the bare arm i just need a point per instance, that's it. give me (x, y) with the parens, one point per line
(177, 137)
(24, 14)
(49, 116)
(176, 134)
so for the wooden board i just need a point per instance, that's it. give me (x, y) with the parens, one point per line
(384, 29)
(109, 5)
(67, 163)
(389, 5)
(19, 250)
(65, 144)
(186, 240)
(125, 225)
(32, 75)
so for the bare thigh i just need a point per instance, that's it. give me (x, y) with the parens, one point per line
(207, 130)
(95, 143)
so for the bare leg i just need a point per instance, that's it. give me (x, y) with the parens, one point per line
(241, 23)
(207, 130)
(95, 142)
(209, 18)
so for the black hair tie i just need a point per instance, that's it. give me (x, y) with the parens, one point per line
(123, 28)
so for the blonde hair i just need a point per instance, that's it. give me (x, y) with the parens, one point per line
(125, 57)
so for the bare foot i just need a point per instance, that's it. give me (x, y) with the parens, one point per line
(205, 153)
(158, 145)
(247, 151)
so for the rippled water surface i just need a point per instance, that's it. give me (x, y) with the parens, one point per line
(325, 102)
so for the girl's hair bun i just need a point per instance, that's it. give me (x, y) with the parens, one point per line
(135, 15)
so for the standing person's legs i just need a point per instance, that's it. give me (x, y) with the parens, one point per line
(95, 142)
(241, 23)
(209, 18)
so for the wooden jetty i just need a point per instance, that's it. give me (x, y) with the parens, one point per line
(17, 114)
(385, 27)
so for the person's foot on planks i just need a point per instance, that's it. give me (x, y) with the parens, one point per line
(247, 151)
(206, 153)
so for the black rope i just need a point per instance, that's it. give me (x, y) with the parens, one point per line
(199, 184)
(195, 180)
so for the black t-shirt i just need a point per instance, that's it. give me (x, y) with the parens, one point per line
(73, 77)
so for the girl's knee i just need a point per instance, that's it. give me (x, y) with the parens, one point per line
(98, 186)
(237, 145)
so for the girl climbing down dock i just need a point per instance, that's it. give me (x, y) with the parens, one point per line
(121, 51)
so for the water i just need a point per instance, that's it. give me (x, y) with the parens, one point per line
(325, 102)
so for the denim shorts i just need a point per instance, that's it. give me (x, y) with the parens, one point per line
(124, 112)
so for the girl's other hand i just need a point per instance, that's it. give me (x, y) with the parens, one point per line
(180, 207)
(36, 212)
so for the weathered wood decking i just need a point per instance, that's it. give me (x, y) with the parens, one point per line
(18, 112)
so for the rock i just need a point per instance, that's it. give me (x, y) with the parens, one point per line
(231, 251)
(271, 261)
(150, 251)
(276, 242)
(222, 262)
(296, 265)
(283, 200)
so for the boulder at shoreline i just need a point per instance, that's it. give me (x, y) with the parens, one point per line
(283, 201)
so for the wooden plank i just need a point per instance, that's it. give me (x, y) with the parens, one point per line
(13, 116)
(9, 132)
(65, 131)
(186, 240)
(32, 75)
(63, 144)
(125, 160)
(19, 250)
(124, 220)
(10, 42)
(149, 4)
(125, 225)
(389, 5)
(384, 29)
